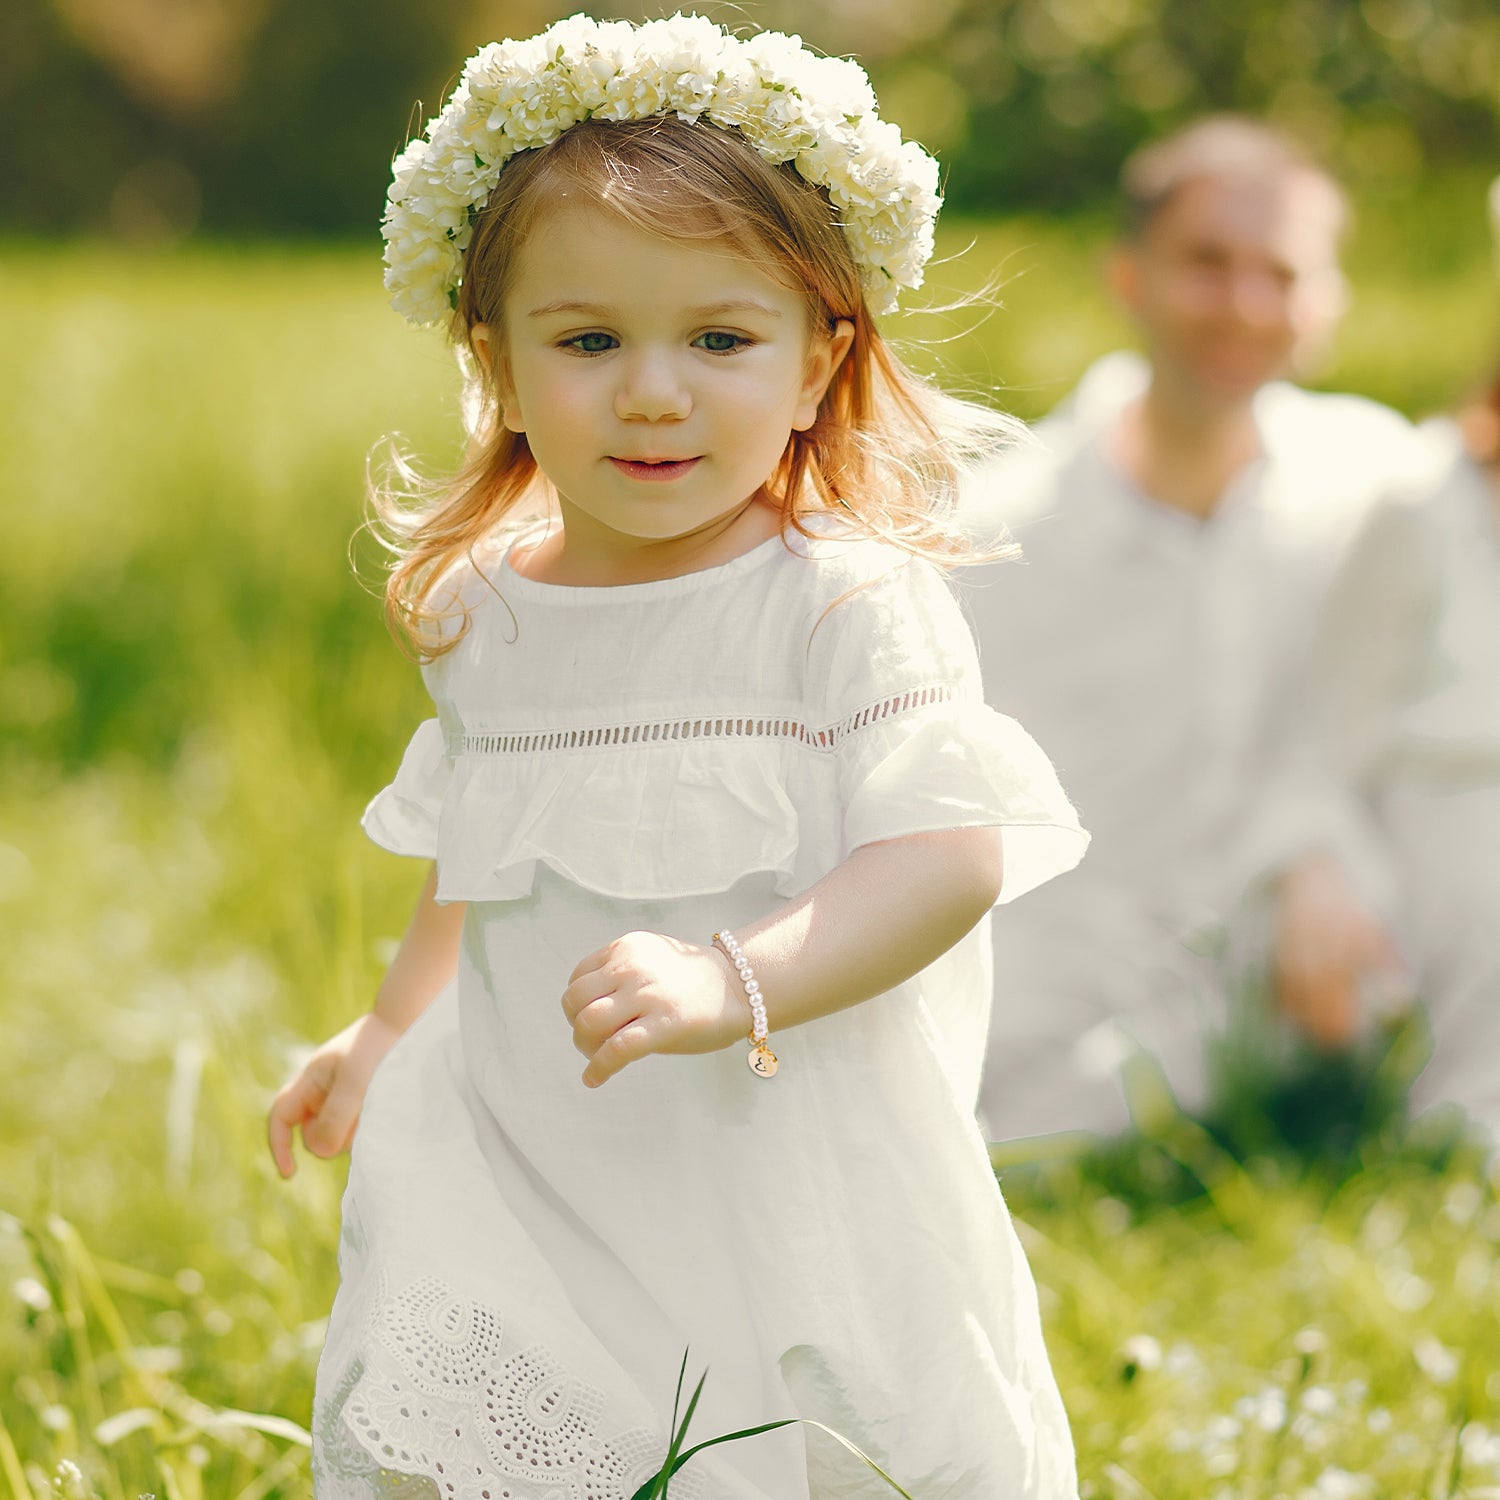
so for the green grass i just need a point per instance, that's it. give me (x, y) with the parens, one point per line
(195, 699)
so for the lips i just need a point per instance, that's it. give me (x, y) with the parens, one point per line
(655, 470)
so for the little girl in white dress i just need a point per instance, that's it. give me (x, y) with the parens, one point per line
(710, 782)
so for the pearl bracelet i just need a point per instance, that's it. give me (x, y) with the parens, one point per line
(761, 1059)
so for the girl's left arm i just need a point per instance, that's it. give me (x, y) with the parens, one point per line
(890, 909)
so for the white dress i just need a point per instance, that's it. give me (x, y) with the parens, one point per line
(524, 1261)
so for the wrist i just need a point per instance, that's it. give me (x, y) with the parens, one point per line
(734, 1012)
(393, 1011)
(761, 1059)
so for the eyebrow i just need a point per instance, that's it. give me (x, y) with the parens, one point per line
(714, 309)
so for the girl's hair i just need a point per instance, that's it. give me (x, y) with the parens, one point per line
(887, 448)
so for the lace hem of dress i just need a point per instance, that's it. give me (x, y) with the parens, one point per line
(721, 727)
(443, 1402)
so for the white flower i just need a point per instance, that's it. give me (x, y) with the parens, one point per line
(1437, 1362)
(1340, 1484)
(30, 1293)
(788, 103)
(1142, 1351)
(684, 54)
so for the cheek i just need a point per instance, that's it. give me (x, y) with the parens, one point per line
(768, 389)
(1172, 301)
(552, 395)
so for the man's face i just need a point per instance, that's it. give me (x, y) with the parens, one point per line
(1236, 280)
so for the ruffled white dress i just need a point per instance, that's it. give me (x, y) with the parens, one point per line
(525, 1261)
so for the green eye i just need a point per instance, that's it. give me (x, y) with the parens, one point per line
(592, 343)
(720, 343)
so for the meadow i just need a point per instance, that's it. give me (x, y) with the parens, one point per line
(196, 698)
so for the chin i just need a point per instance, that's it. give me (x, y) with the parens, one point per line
(1238, 382)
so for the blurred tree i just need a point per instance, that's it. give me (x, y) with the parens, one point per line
(144, 118)
(1058, 91)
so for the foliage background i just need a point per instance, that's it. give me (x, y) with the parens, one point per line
(152, 117)
(196, 697)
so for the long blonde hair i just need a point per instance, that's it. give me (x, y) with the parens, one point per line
(887, 448)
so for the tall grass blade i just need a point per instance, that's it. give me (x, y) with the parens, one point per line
(10, 1466)
(655, 1488)
(1127, 1486)
(254, 1421)
(675, 1447)
(182, 1110)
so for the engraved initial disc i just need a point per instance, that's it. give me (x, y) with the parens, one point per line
(762, 1062)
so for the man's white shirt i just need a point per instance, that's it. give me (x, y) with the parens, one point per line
(1160, 661)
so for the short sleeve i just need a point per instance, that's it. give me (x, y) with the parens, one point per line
(404, 816)
(917, 748)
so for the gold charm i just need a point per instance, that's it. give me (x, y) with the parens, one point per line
(762, 1061)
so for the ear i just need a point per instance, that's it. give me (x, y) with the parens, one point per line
(823, 361)
(1122, 274)
(1322, 303)
(491, 356)
(1332, 297)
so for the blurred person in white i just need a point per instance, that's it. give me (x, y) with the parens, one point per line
(1181, 517)
(1407, 686)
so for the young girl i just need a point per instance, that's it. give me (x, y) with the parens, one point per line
(710, 783)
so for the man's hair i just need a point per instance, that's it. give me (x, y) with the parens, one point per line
(1217, 146)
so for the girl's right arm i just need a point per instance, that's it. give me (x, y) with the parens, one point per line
(325, 1097)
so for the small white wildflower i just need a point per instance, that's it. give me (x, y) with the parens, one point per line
(1438, 1363)
(1266, 1409)
(1310, 1342)
(67, 1481)
(1142, 1351)
(1318, 1401)
(30, 1292)
(1340, 1484)
(1481, 1447)
(55, 1418)
(1408, 1291)
(1378, 1420)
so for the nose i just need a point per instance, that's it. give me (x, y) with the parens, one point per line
(652, 389)
(1259, 298)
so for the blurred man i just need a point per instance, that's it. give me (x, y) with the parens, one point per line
(1181, 518)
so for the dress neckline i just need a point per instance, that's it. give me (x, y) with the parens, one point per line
(655, 588)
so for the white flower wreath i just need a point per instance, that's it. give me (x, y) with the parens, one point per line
(789, 103)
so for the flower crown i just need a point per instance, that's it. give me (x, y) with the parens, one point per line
(789, 103)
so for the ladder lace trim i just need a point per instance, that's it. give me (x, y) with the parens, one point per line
(660, 731)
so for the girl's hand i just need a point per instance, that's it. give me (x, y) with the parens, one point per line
(648, 993)
(324, 1099)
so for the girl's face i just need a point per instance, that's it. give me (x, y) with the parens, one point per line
(657, 382)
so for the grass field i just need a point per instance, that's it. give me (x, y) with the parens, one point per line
(196, 697)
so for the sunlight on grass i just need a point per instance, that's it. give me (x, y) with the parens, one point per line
(196, 697)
